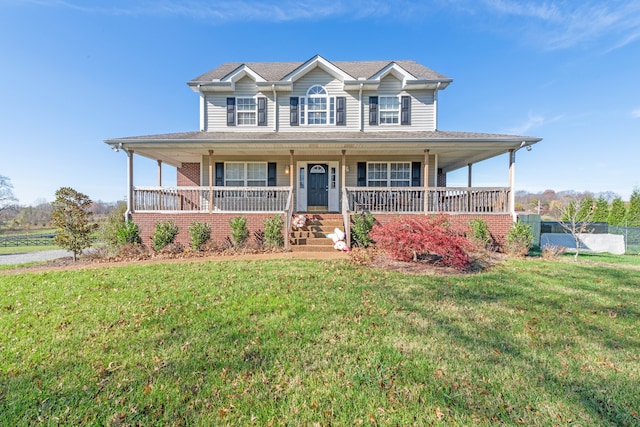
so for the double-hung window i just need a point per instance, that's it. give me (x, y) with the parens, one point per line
(249, 174)
(247, 110)
(389, 174)
(389, 107)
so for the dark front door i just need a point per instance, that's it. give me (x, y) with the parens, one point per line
(318, 188)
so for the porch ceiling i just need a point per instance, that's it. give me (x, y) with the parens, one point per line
(454, 149)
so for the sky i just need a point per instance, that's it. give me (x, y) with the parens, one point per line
(74, 73)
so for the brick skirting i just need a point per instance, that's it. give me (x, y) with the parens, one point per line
(219, 222)
(499, 224)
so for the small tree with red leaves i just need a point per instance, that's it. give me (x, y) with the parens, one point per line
(410, 239)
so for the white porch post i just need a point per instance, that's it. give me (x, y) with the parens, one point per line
(160, 183)
(469, 167)
(426, 181)
(343, 184)
(130, 183)
(292, 172)
(210, 181)
(512, 177)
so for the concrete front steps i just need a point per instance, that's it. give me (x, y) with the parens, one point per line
(313, 236)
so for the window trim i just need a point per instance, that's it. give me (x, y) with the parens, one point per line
(382, 110)
(329, 110)
(239, 111)
(388, 179)
(245, 177)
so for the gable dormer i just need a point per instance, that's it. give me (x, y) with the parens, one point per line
(313, 63)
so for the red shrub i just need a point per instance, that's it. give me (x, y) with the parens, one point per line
(408, 239)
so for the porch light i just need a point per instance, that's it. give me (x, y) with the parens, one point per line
(286, 170)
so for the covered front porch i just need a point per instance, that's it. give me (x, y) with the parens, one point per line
(386, 173)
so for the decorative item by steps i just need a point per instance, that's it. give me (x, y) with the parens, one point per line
(338, 240)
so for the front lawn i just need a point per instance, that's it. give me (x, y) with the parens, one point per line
(300, 342)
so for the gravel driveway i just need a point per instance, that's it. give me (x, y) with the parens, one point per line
(34, 256)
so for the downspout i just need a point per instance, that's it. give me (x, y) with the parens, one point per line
(127, 214)
(360, 108)
(512, 178)
(202, 110)
(435, 105)
(275, 108)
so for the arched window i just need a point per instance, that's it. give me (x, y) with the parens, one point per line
(317, 108)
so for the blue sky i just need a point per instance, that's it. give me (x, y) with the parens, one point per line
(77, 72)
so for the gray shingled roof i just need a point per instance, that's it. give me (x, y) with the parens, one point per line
(426, 136)
(275, 71)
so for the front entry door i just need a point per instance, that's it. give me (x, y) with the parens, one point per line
(318, 188)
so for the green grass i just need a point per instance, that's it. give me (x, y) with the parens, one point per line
(606, 258)
(296, 342)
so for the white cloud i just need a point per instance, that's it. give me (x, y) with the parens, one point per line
(550, 25)
(245, 10)
(533, 121)
(561, 25)
(636, 113)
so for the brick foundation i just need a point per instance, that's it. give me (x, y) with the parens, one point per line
(219, 222)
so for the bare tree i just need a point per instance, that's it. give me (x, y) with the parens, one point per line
(575, 216)
(7, 199)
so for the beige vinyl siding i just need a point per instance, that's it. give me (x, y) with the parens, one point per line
(333, 87)
(422, 111)
(422, 106)
(282, 179)
(352, 163)
(216, 108)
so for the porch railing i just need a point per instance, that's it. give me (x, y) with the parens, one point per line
(223, 199)
(438, 199)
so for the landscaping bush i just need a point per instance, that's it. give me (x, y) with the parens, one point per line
(430, 238)
(480, 232)
(109, 228)
(239, 231)
(273, 232)
(362, 226)
(128, 232)
(519, 239)
(164, 235)
(200, 233)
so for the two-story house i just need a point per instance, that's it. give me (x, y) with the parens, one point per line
(329, 139)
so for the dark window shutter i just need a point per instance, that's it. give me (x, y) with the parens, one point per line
(405, 110)
(271, 174)
(231, 111)
(293, 104)
(262, 111)
(341, 111)
(219, 174)
(416, 167)
(362, 174)
(373, 110)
